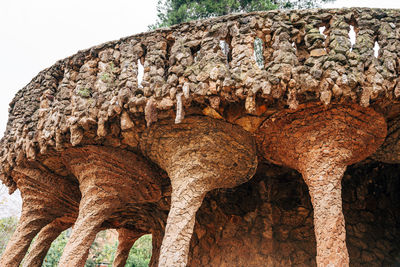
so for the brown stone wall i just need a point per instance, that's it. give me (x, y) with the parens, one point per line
(269, 220)
(371, 206)
(94, 95)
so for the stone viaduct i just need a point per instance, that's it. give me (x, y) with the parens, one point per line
(285, 155)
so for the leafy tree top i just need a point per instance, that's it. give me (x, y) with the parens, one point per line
(171, 12)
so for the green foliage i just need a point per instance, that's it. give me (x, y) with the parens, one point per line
(107, 254)
(298, 4)
(56, 249)
(101, 252)
(112, 67)
(172, 12)
(105, 77)
(7, 228)
(85, 92)
(140, 254)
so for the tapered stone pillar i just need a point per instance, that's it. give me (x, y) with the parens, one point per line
(126, 239)
(109, 180)
(320, 142)
(43, 242)
(324, 184)
(28, 226)
(157, 237)
(45, 198)
(199, 154)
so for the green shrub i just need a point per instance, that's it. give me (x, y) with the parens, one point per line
(7, 228)
(56, 249)
(140, 254)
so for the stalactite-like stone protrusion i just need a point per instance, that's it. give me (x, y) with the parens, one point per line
(180, 112)
(28, 226)
(126, 239)
(320, 142)
(109, 180)
(43, 242)
(45, 197)
(199, 154)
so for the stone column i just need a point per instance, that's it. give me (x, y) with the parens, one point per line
(157, 237)
(109, 180)
(43, 242)
(91, 216)
(30, 223)
(186, 199)
(199, 154)
(126, 239)
(320, 142)
(45, 197)
(325, 188)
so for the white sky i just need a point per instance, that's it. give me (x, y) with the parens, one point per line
(34, 34)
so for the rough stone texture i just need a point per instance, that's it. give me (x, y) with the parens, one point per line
(372, 212)
(126, 239)
(199, 155)
(94, 96)
(320, 142)
(324, 184)
(264, 222)
(268, 221)
(109, 180)
(85, 123)
(43, 242)
(46, 198)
